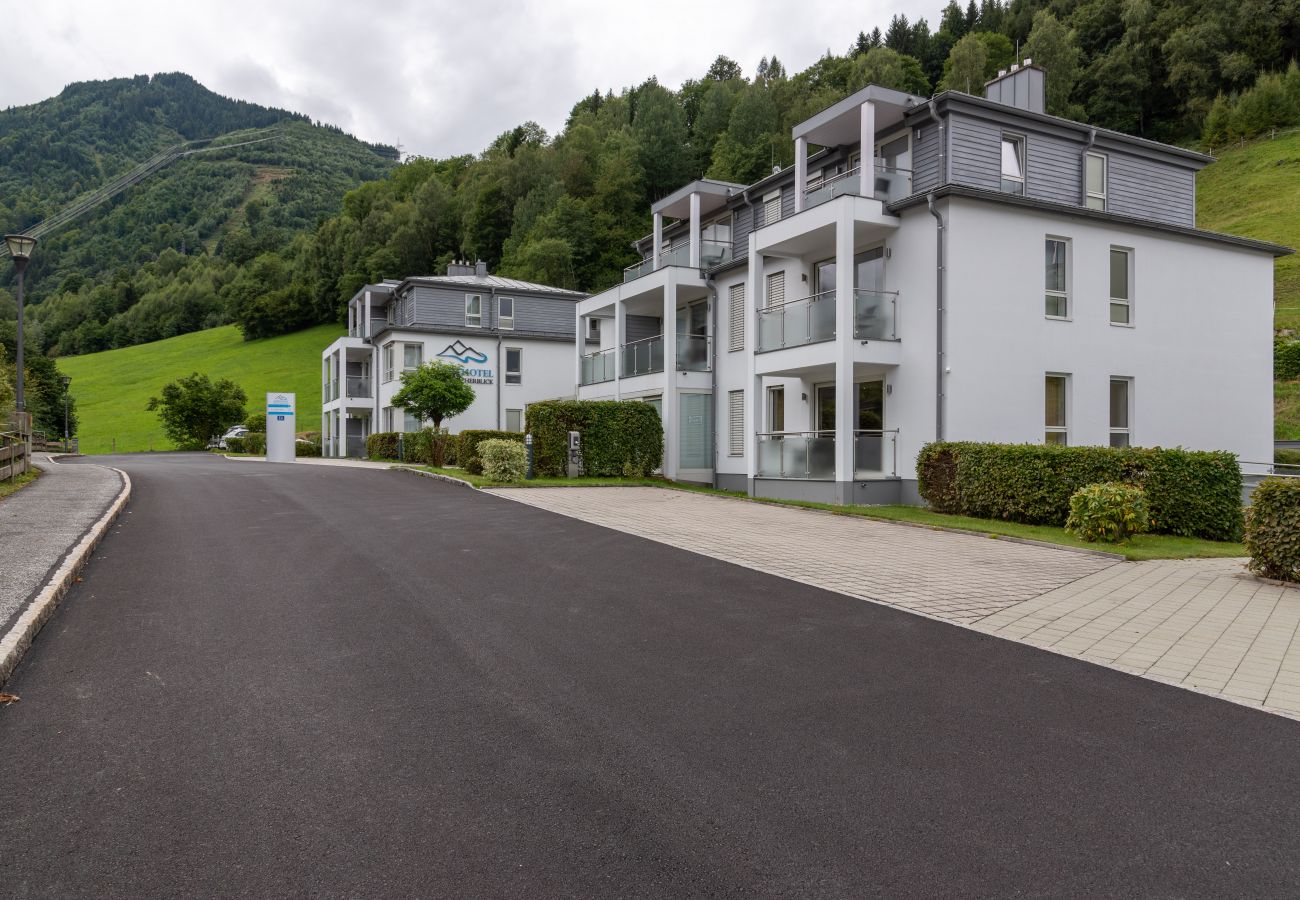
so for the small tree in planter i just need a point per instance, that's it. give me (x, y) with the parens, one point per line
(435, 391)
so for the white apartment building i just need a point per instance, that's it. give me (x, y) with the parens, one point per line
(988, 272)
(514, 340)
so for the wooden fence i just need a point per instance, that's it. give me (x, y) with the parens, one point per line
(16, 445)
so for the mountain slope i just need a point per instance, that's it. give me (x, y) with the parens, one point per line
(220, 206)
(113, 388)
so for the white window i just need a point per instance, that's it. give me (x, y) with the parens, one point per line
(514, 420)
(735, 423)
(775, 289)
(473, 310)
(1121, 412)
(412, 356)
(737, 313)
(506, 313)
(1013, 164)
(388, 418)
(388, 367)
(514, 365)
(776, 409)
(1121, 286)
(1057, 278)
(772, 208)
(1095, 176)
(409, 422)
(1056, 412)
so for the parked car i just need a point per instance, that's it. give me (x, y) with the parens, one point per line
(235, 432)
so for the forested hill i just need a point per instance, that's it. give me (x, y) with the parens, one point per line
(153, 261)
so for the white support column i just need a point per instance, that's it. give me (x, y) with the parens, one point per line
(658, 245)
(867, 151)
(800, 172)
(579, 348)
(672, 440)
(365, 329)
(753, 303)
(695, 229)
(845, 400)
(620, 332)
(352, 319)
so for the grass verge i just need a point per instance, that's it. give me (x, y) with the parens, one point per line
(1142, 547)
(8, 487)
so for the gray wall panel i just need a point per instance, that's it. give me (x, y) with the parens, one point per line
(641, 327)
(1052, 165)
(433, 306)
(1151, 189)
(976, 152)
(925, 158)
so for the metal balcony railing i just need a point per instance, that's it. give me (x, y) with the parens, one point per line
(810, 455)
(875, 315)
(806, 320)
(875, 453)
(643, 357)
(597, 367)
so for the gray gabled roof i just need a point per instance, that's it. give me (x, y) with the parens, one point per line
(489, 282)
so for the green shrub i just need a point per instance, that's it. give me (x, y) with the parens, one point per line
(254, 443)
(382, 445)
(309, 448)
(503, 460)
(619, 437)
(467, 446)
(429, 447)
(256, 422)
(1188, 493)
(1108, 512)
(235, 445)
(1285, 457)
(1273, 529)
(1286, 359)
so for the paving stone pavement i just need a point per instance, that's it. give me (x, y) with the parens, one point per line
(41, 522)
(1203, 624)
(958, 577)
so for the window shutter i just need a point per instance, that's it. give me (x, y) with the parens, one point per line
(775, 289)
(772, 210)
(737, 317)
(736, 423)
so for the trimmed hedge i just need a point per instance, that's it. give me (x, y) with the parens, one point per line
(1283, 456)
(619, 437)
(254, 443)
(311, 449)
(1286, 359)
(467, 446)
(1273, 529)
(235, 445)
(382, 445)
(429, 447)
(1189, 493)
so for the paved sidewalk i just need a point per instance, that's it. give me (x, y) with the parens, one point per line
(42, 522)
(958, 577)
(1203, 624)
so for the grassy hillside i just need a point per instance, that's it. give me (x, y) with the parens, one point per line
(112, 388)
(1255, 191)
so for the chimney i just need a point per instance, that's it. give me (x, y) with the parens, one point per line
(480, 269)
(1023, 87)
(459, 267)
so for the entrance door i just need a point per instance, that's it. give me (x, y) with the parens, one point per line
(824, 410)
(869, 441)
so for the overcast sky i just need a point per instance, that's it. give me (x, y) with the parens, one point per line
(442, 78)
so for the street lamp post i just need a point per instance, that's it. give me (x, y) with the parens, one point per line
(67, 380)
(20, 248)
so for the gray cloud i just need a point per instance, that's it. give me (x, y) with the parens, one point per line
(442, 77)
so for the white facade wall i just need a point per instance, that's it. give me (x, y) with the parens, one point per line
(547, 374)
(1198, 351)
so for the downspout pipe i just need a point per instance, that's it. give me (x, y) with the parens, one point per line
(1083, 166)
(501, 368)
(939, 299)
(713, 371)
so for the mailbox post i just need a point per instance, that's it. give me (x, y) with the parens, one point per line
(575, 454)
(528, 447)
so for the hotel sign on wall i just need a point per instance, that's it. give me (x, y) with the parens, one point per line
(474, 362)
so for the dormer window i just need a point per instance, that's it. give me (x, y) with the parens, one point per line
(1095, 175)
(1013, 164)
(473, 310)
(506, 313)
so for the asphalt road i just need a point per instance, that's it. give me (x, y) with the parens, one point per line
(306, 681)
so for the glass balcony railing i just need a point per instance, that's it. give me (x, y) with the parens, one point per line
(329, 391)
(597, 367)
(643, 357)
(693, 353)
(797, 454)
(715, 253)
(636, 270)
(891, 184)
(807, 320)
(712, 253)
(875, 453)
(875, 315)
(358, 386)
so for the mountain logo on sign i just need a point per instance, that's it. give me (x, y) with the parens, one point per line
(462, 353)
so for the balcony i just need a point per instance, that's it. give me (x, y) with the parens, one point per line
(643, 357)
(712, 253)
(794, 323)
(810, 455)
(358, 386)
(693, 353)
(875, 315)
(891, 184)
(329, 391)
(597, 367)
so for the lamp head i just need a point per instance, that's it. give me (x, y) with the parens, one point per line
(20, 246)
(66, 379)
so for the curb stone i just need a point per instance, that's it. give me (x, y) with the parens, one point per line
(29, 622)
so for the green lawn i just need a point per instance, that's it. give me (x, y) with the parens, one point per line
(1146, 546)
(113, 388)
(17, 483)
